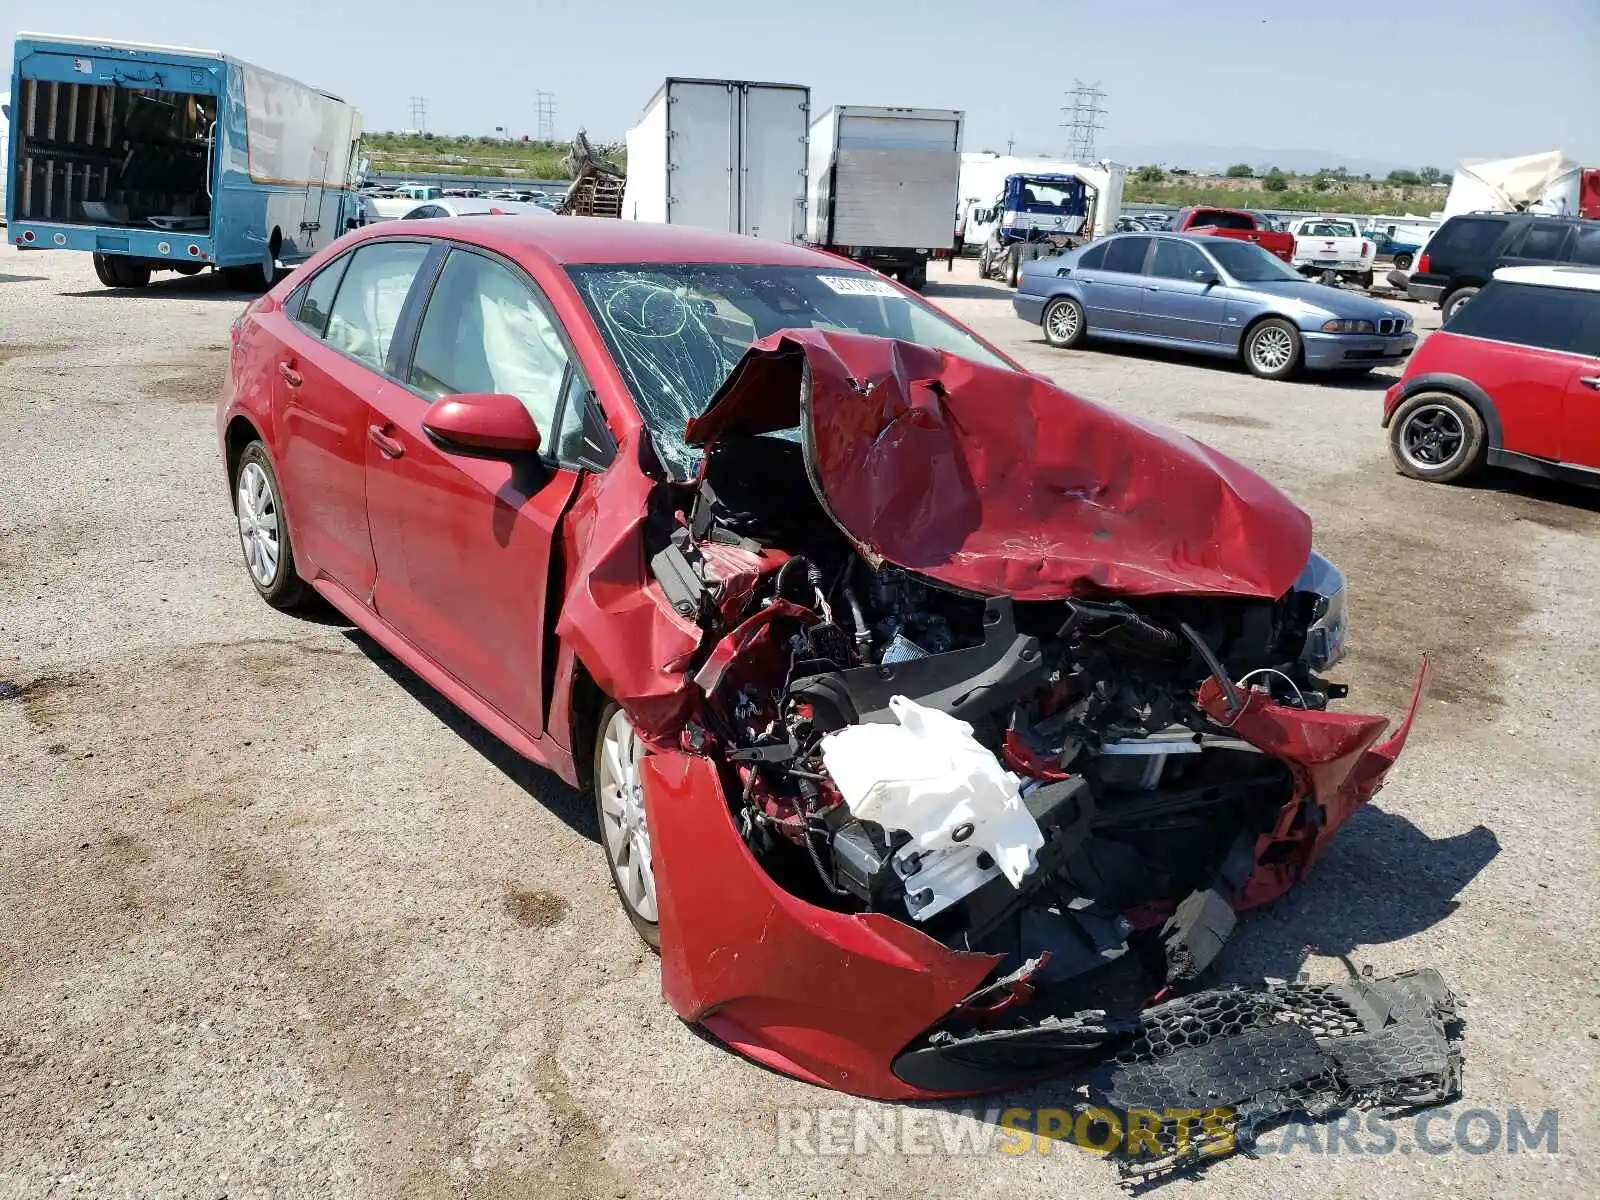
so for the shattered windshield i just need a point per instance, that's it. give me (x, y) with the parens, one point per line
(677, 331)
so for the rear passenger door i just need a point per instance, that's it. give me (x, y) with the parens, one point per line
(1580, 410)
(1116, 288)
(334, 348)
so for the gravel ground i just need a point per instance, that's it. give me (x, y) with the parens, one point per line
(275, 921)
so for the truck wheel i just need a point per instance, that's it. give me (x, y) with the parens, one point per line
(1063, 323)
(983, 263)
(1272, 349)
(1013, 266)
(1365, 279)
(1402, 262)
(917, 277)
(127, 272)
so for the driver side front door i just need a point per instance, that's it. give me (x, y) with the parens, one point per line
(465, 546)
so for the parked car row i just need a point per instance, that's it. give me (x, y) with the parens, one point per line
(1212, 295)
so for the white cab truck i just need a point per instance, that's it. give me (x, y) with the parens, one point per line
(983, 177)
(721, 154)
(1332, 244)
(881, 186)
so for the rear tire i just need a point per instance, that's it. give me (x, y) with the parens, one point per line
(117, 272)
(1063, 323)
(983, 263)
(1365, 279)
(1402, 262)
(102, 270)
(1272, 349)
(264, 532)
(257, 277)
(917, 277)
(1013, 266)
(1438, 437)
(1453, 302)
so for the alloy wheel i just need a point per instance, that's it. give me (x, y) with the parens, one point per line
(1062, 322)
(622, 816)
(259, 531)
(1432, 437)
(1272, 349)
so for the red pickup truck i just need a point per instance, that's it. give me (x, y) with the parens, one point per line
(1234, 223)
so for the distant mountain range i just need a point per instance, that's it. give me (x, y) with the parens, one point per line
(1220, 158)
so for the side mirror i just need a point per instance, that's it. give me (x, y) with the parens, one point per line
(1208, 277)
(487, 425)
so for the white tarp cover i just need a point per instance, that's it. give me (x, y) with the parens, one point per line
(297, 136)
(1546, 182)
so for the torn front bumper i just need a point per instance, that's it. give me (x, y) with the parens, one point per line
(855, 1002)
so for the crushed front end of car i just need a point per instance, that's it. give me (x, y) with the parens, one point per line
(989, 710)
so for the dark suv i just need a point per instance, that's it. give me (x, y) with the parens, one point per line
(1465, 253)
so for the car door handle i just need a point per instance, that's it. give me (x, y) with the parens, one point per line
(1151, 288)
(1591, 381)
(289, 374)
(387, 446)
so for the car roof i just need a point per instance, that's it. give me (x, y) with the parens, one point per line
(1582, 278)
(569, 240)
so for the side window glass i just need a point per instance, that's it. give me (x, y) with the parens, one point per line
(569, 440)
(1093, 257)
(316, 298)
(365, 312)
(1544, 317)
(1587, 250)
(1126, 255)
(1543, 239)
(1176, 260)
(485, 331)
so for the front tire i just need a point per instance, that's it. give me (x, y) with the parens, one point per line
(1013, 266)
(263, 531)
(1402, 262)
(1063, 323)
(624, 833)
(1438, 437)
(1272, 349)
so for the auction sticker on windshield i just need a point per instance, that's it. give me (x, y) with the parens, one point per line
(857, 285)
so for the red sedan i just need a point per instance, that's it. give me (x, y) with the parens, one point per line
(937, 720)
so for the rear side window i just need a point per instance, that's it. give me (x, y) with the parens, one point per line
(1543, 239)
(1218, 219)
(1465, 237)
(316, 298)
(1093, 257)
(362, 320)
(1126, 254)
(1587, 248)
(1545, 317)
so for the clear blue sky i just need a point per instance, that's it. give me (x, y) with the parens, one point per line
(1424, 82)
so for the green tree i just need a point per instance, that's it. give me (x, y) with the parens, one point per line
(1430, 175)
(1404, 178)
(1275, 181)
(1240, 171)
(1321, 181)
(1150, 174)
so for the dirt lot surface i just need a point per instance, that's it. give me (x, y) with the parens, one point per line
(275, 921)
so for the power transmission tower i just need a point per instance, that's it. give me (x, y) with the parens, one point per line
(419, 114)
(1082, 118)
(545, 111)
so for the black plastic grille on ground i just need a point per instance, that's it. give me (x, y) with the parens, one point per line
(1279, 1051)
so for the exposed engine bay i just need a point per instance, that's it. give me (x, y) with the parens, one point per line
(1028, 779)
(987, 711)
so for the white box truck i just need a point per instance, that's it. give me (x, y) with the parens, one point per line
(721, 154)
(883, 185)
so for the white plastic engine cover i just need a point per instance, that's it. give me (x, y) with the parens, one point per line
(931, 778)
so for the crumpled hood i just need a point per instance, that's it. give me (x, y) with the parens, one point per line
(999, 483)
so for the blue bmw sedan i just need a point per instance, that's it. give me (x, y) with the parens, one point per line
(1212, 295)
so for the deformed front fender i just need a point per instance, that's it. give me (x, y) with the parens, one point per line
(827, 997)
